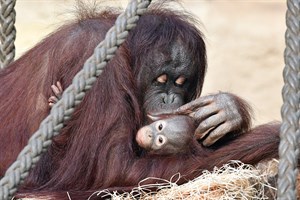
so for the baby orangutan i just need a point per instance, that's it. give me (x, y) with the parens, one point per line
(170, 135)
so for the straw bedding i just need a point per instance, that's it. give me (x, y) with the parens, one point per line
(234, 180)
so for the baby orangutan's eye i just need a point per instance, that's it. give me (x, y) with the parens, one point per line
(160, 127)
(160, 140)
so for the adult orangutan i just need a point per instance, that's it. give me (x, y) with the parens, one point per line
(159, 68)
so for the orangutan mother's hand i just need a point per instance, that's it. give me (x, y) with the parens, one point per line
(217, 115)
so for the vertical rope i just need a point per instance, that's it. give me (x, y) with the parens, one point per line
(289, 143)
(72, 96)
(7, 32)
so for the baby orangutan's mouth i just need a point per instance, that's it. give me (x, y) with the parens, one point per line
(139, 140)
(144, 138)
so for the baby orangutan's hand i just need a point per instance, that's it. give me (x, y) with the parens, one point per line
(57, 90)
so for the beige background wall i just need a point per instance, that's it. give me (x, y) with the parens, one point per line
(245, 44)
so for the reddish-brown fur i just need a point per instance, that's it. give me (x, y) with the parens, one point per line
(97, 149)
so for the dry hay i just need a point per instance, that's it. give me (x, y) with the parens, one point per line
(234, 180)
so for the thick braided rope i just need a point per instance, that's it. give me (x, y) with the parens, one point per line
(290, 111)
(7, 32)
(72, 96)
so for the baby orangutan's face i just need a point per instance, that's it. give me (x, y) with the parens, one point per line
(167, 136)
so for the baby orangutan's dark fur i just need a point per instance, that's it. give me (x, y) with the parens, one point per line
(97, 149)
